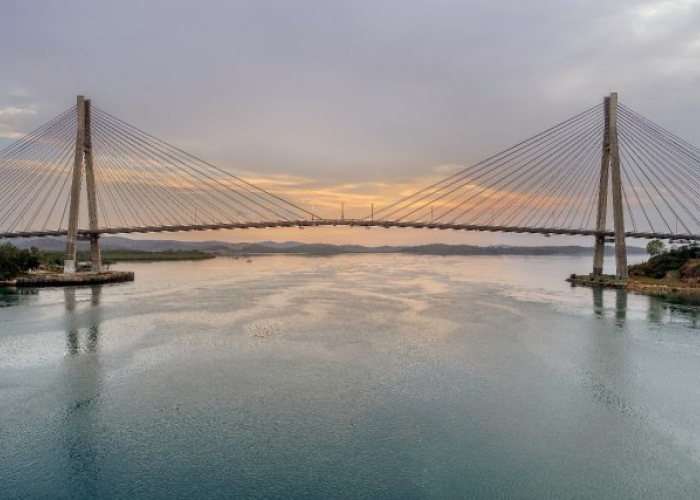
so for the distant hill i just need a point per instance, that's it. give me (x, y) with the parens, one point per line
(295, 247)
(279, 244)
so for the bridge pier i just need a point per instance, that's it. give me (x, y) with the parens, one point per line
(610, 167)
(618, 214)
(599, 251)
(96, 256)
(82, 161)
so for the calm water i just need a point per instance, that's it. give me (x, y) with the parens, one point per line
(349, 377)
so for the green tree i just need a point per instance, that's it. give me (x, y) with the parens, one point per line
(655, 247)
(14, 261)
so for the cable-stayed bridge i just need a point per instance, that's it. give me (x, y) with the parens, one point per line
(608, 172)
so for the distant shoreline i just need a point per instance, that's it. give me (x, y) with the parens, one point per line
(117, 244)
(486, 253)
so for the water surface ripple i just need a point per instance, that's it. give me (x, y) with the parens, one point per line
(367, 376)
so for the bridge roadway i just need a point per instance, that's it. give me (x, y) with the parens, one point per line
(85, 233)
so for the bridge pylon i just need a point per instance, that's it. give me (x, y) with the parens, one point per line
(82, 162)
(610, 169)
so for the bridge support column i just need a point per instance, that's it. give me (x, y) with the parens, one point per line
(618, 214)
(82, 161)
(91, 193)
(69, 265)
(610, 162)
(599, 251)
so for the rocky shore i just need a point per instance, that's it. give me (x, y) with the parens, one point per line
(637, 286)
(59, 279)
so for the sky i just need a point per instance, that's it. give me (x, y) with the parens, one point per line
(356, 101)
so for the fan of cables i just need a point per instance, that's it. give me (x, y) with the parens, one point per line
(548, 180)
(35, 177)
(141, 181)
(660, 175)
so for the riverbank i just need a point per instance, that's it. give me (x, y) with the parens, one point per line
(604, 281)
(649, 286)
(114, 256)
(45, 279)
(111, 256)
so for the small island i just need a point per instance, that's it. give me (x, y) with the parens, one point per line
(669, 272)
(33, 267)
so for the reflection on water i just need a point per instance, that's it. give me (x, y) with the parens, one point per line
(598, 306)
(90, 316)
(656, 309)
(620, 306)
(673, 309)
(659, 309)
(358, 376)
(598, 303)
(82, 383)
(10, 296)
(664, 310)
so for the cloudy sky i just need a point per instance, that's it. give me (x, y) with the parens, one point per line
(357, 101)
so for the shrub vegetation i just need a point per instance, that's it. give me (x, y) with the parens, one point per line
(14, 261)
(657, 267)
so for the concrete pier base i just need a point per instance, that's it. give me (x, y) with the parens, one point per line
(69, 266)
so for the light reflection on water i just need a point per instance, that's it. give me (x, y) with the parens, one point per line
(349, 376)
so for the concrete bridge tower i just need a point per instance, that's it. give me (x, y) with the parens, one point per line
(610, 168)
(82, 162)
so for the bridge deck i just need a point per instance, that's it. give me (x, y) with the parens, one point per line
(351, 223)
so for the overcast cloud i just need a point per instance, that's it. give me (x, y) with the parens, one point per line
(348, 100)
